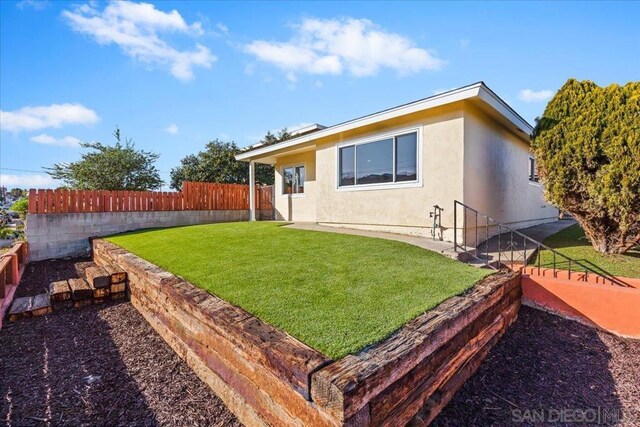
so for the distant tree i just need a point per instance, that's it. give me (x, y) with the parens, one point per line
(587, 145)
(110, 167)
(217, 163)
(21, 207)
(17, 193)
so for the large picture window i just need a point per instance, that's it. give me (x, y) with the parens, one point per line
(388, 160)
(293, 180)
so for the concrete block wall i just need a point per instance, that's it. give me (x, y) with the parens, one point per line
(64, 235)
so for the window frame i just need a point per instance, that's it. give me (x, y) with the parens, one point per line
(531, 171)
(378, 137)
(293, 165)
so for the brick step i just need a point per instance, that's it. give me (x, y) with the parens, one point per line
(102, 284)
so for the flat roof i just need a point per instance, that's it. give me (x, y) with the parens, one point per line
(476, 90)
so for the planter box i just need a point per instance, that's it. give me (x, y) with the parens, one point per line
(267, 377)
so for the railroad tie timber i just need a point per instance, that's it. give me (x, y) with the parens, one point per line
(98, 277)
(117, 274)
(101, 284)
(37, 305)
(60, 294)
(100, 294)
(81, 292)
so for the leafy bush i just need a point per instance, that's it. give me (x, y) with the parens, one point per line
(587, 144)
(6, 233)
(21, 206)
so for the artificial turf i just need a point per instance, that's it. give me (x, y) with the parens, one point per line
(335, 292)
(573, 243)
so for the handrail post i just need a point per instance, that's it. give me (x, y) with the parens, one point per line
(511, 244)
(476, 241)
(455, 226)
(499, 245)
(486, 242)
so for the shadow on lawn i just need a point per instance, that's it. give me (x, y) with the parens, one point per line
(543, 363)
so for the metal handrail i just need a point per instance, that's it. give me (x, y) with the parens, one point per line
(503, 229)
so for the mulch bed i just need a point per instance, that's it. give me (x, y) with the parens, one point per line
(97, 365)
(104, 365)
(546, 364)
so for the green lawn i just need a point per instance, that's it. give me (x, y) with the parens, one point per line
(572, 242)
(335, 292)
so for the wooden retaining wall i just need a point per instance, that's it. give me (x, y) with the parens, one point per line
(267, 377)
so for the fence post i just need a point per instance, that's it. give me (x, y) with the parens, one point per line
(32, 201)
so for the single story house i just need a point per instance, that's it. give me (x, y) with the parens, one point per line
(386, 171)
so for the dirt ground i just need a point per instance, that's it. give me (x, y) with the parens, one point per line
(104, 365)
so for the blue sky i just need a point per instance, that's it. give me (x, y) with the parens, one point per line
(174, 75)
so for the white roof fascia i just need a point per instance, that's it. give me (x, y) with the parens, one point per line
(467, 92)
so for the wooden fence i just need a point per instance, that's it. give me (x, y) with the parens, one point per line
(194, 196)
(12, 265)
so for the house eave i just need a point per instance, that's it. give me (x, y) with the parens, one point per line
(475, 91)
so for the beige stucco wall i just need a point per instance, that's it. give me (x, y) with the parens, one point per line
(496, 180)
(465, 156)
(399, 209)
(299, 207)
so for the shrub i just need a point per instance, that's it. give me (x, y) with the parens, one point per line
(587, 145)
(21, 206)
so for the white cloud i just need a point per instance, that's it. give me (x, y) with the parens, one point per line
(172, 129)
(46, 116)
(28, 181)
(223, 28)
(136, 28)
(334, 46)
(66, 141)
(34, 4)
(528, 95)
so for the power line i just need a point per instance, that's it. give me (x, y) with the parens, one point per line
(19, 170)
(28, 170)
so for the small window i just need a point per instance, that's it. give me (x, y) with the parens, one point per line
(533, 170)
(293, 180)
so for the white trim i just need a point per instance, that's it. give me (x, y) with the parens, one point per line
(293, 165)
(377, 137)
(529, 171)
(476, 90)
(252, 190)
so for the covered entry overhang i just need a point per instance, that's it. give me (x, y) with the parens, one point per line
(267, 158)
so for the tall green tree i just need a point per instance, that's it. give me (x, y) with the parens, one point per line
(110, 167)
(217, 163)
(587, 145)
